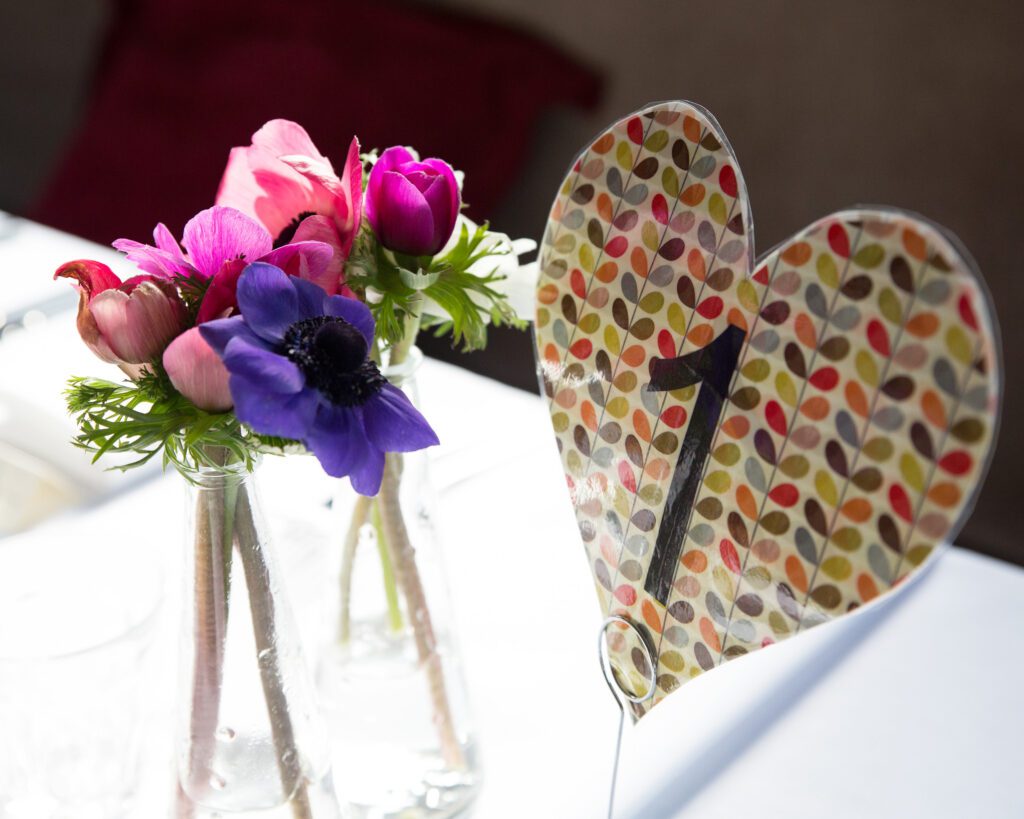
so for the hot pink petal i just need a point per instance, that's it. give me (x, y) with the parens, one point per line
(282, 176)
(404, 222)
(438, 199)
(309, 260)
(391, 158)
(92, 277)
(258, 184)
(164, 261)
(452, 187)
(221, 297)
(420, 178)
(197, 372)
(323, 229)
(238, 187)
(128, 285)
(262, 187)
(324, 186)
(352, 183)
(153, 260)
(286, 193)
(339, 198)
(165, 241)
(394, 157)
(220, 234)
(282, 137)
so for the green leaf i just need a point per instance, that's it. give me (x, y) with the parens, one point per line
(467, 301)
(149, 417)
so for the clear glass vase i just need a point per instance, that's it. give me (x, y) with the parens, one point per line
(251, 739)
(389, 676)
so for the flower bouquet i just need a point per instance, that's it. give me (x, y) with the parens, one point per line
(271, 329)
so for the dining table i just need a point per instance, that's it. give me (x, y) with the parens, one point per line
(913, 707)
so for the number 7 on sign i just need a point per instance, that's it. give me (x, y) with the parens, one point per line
(713, 366)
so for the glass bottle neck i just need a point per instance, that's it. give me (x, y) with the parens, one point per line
(216, 475)
(399, 372)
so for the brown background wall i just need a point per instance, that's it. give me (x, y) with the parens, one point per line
(827, 104)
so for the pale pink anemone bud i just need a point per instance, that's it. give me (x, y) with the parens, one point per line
(128, 322)
(197, 372)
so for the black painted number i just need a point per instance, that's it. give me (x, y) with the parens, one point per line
(713, 367)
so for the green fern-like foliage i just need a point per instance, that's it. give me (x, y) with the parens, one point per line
(148, 417)
(396, 287)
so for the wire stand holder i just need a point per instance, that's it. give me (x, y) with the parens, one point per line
(621, 694)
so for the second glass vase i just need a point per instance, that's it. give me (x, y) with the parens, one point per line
(390, 677)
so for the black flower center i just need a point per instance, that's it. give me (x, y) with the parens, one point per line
(288, 231)
(332, 355)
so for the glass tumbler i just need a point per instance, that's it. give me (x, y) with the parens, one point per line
(78, 619)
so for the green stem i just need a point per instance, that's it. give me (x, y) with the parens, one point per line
(360, 510)
(388, 570)
(400, 350)
(396, 355)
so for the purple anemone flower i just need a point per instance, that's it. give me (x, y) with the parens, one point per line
(300, 369)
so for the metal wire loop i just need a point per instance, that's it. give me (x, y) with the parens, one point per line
(617, 689)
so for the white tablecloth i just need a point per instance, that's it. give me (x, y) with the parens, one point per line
(911, 708)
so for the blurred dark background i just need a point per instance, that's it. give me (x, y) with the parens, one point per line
(119, 114)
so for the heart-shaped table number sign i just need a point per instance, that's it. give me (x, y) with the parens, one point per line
(751, 448)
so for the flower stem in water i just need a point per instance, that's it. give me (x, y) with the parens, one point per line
(403, 558)
(261, 604)
(388, 571)
(360, 511)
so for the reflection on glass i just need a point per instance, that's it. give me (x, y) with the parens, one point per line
(30, 490)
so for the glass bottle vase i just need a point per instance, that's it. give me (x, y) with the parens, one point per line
(390, 676)
(251, 741)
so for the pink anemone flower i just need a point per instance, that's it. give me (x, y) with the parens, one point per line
(285, 183)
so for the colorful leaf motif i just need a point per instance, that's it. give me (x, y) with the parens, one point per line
(856, 423)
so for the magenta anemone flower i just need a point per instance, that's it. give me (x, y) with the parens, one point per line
(300, 369)
(285, 183)
(412, 205)
(219, 242)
